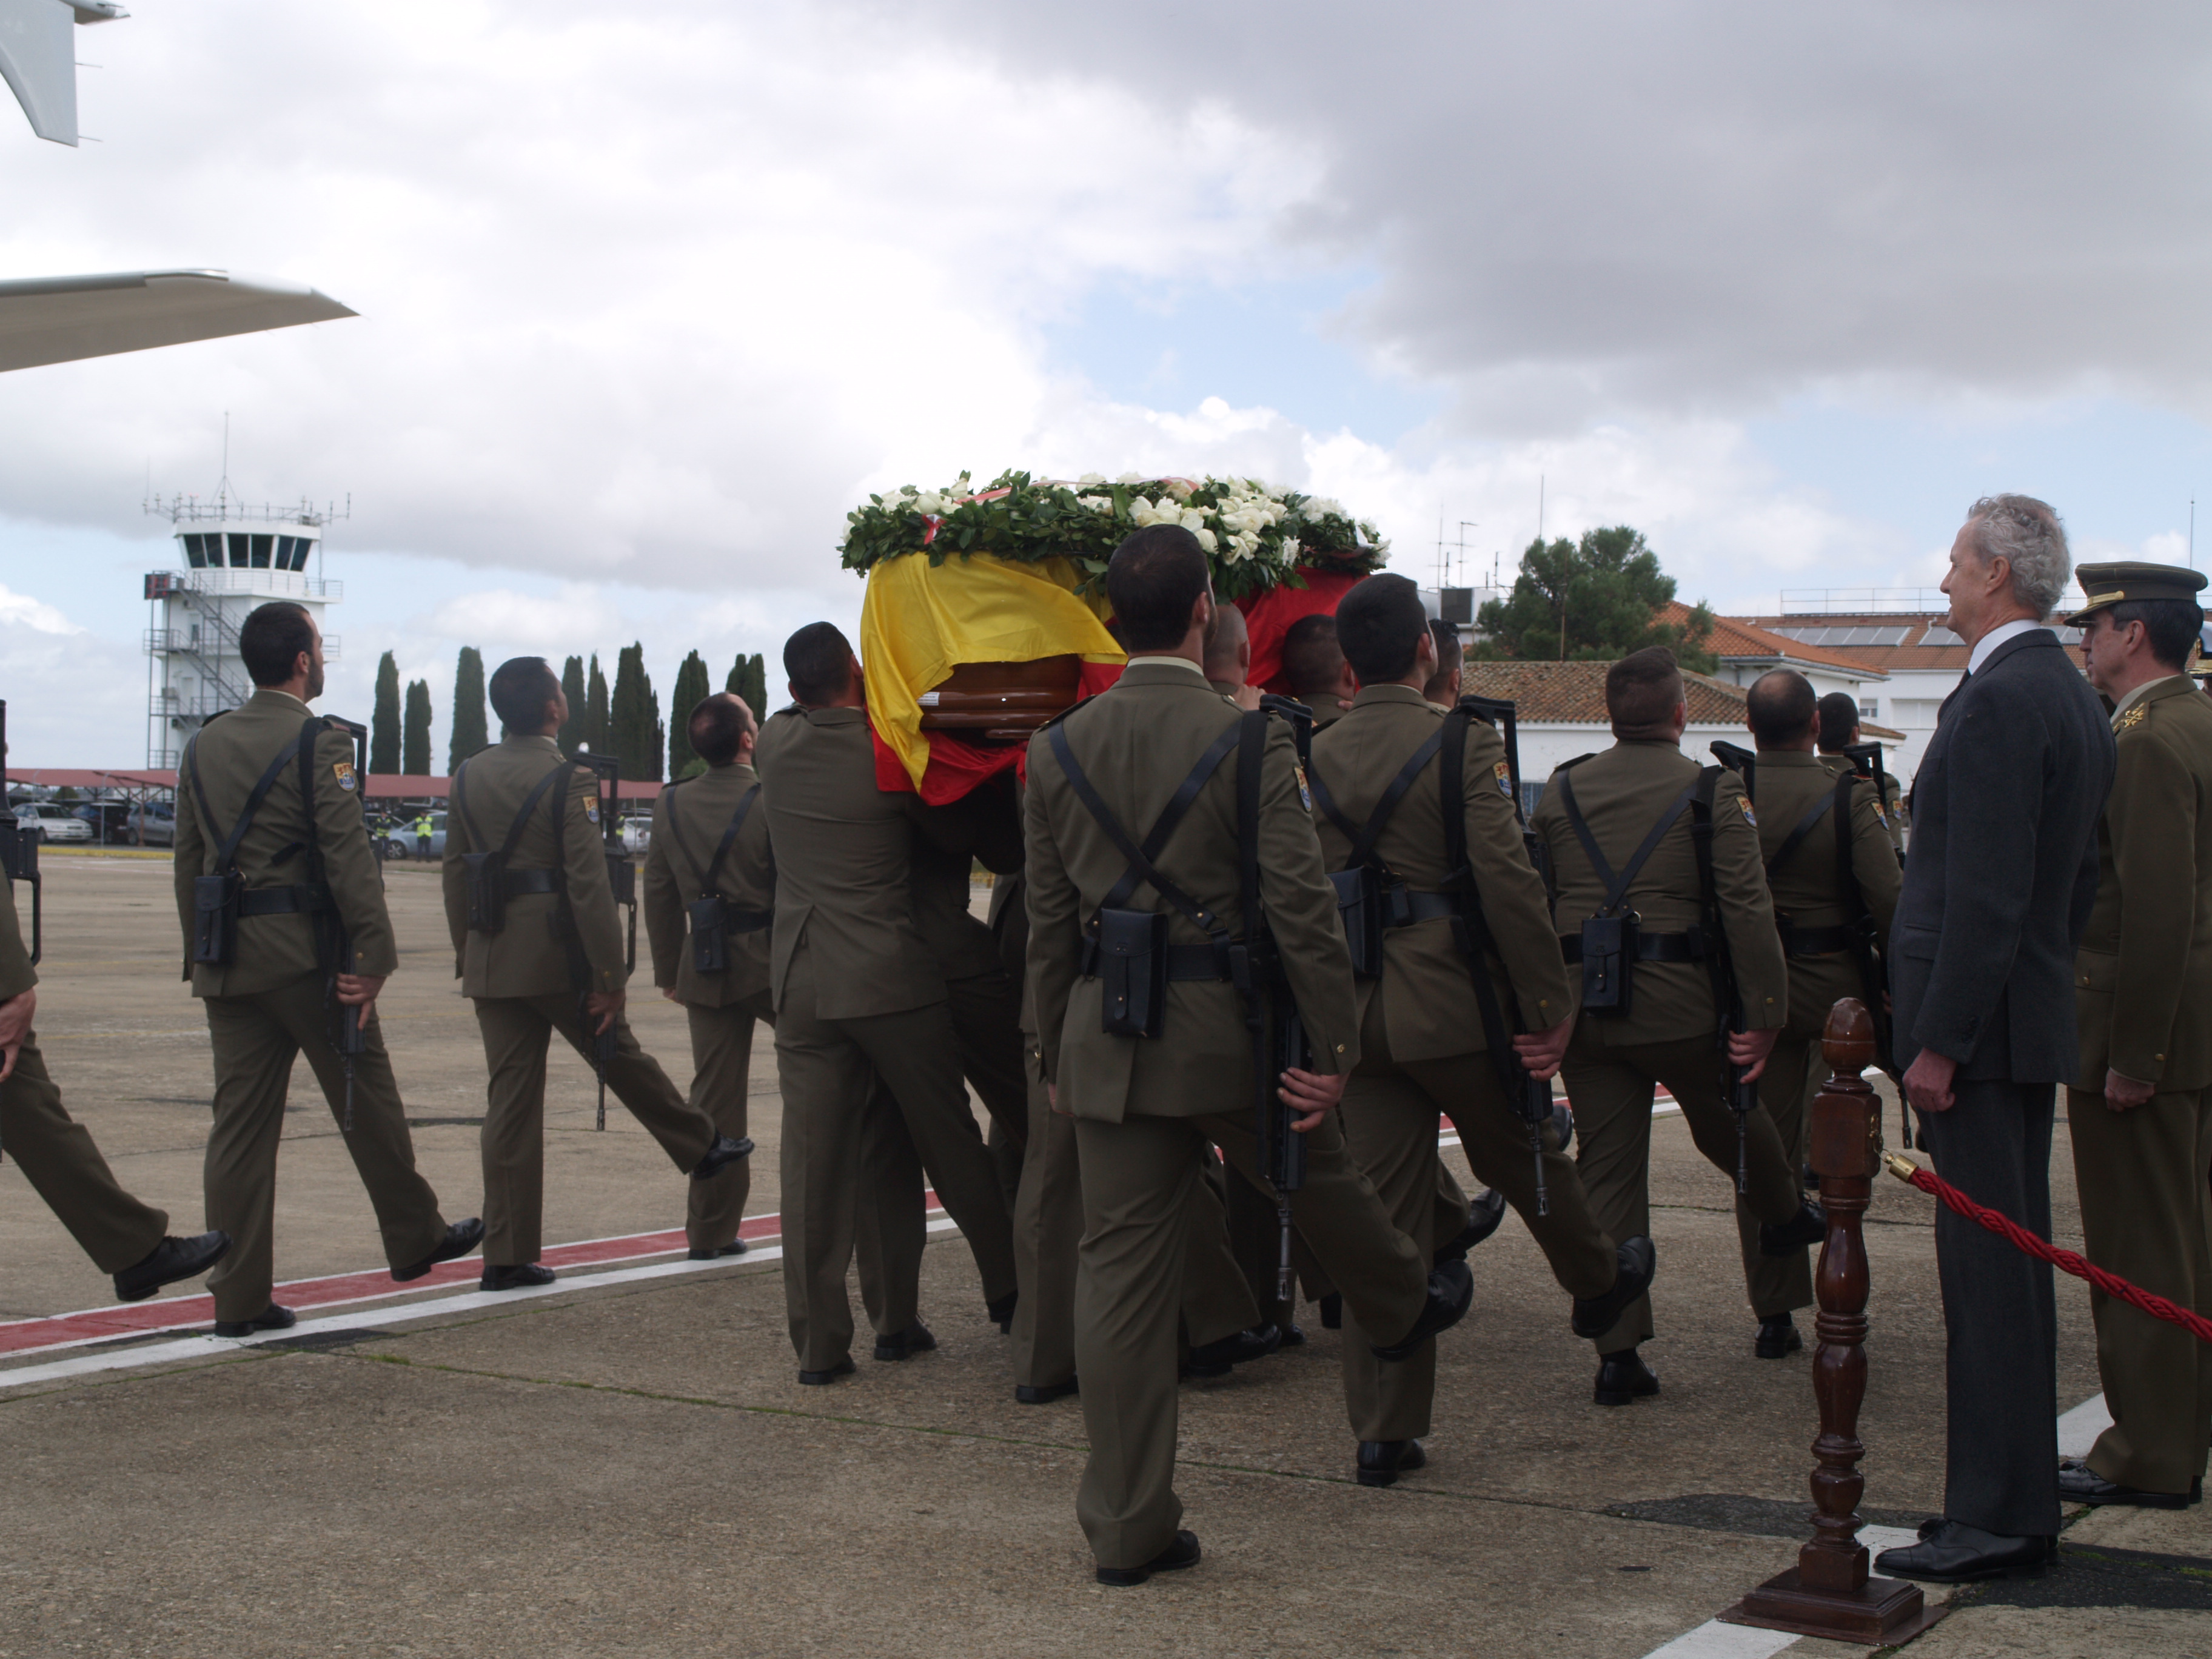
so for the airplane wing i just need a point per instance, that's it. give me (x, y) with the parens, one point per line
(58, 319)
(38, 58)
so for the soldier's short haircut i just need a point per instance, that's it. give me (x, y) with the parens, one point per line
(1780, 706)
(1153, 581)
(2028, 533)
(1313, 661)
(817, 660)
(719, 726)
(1450, 653)
(1641, 691)
(271, 639)
(2172, 626)
(519, 689)
(1840, 717)
(1379, 624)
(1230, 634)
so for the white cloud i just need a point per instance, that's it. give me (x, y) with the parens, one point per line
(21, 611)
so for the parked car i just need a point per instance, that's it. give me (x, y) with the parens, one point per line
(637, 836)
(400, 840)
(53, 821)
(153, 825)
(106, 818)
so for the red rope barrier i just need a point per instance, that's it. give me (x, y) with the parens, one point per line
(2020, 1239)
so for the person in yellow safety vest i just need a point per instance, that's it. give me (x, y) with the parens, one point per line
(422, 836)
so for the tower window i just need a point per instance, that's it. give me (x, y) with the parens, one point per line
(283, 552)
(194, 551)
(239, 559)
(262, 547)
(301, 548)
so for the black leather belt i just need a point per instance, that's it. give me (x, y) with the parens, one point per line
(532, 881)
(1412, 907)
(1197, 962)
(283, 901)
(1813, 941)
(746, 922)
(1650, 947)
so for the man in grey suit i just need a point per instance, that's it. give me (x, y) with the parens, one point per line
(1998, 884)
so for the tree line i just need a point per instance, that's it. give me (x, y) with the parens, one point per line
(1595, 600)
(624, 720)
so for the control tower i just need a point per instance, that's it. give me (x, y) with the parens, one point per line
(230, 558)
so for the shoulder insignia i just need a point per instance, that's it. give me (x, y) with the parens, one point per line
(1504, 774)
(343, 770)
(1305, 795)
(591, 812)
(1750, 817)
(2132, 719)
(1880, 815)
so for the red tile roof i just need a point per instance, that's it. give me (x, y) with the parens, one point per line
(1573, 693)
(1740, 638)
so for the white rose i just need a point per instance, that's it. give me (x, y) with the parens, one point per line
(1130, 478)
(1193, 518)
(1206, 539)
(1291, 548)
(1320, 507)
(1092, 479)
(1095, 503)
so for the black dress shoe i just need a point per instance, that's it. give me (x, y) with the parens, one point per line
(1777, 1337)
(1451, 1289)
(171, 1260)
(723, 1153)
(1483, 1215)
(2080, 1483)
(904, 1345)
(1182, 1552)
(1293, 1337)
(706, 1253)
(816, 1379)
(1623, 1376)
(1214, 1359)
(1043, 1394)
(1803, 1231)
(1002, 1312)
(1563, 1124)
(272, 1318)
(519, 1277)
(460, 1238)
(1332, 1311)
(1382, 1461)
(1635, 1260)
(1952, 1552)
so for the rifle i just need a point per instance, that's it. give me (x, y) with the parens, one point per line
(1728, 998)
(1271, 1012)
(349, 1039)
(622, 880)
(19, 847)
(1866, 760)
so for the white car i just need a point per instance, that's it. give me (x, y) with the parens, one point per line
(53, 821)
(637, 835)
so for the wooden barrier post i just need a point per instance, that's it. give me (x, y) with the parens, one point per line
(1828, 1593)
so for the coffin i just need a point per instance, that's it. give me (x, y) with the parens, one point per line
(1002, 702)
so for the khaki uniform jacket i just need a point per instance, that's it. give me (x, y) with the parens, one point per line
(1894, 822)
(17, 974)
(1428, 1009)
(1622, 792)
(2143, 976)
(539, 952)
(843, 866)
(231, 753)
(1137, 743)
(1791, 783)
(704, 804)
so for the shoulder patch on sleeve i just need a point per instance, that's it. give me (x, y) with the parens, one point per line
(1504, 774)
(1305, 795)
(1752, 818)
(344, 772)
(591, 811)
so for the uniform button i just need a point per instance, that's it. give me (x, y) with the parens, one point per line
(1340, 1048)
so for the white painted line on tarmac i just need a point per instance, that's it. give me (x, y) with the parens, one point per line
(2078, 1429)
(1714, 1640)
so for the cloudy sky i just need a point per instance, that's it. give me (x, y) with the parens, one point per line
(650, 295)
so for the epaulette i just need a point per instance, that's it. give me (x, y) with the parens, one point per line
(2132, 719)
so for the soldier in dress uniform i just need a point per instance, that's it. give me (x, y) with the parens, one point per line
(1444, 686)
(1144, 1106)
(1639, 803)
(1425, 1032)
(2140, 1111)
(1833, 876)
(1839, 731)
(1314, 664)
(270, 833)
(710, 848)
(524, 852)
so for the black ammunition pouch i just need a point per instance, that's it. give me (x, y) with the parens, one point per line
(488, 882)
(1363, 906)
(1129, 955)
(215, 916)
(1608, 954)
(485, 875)
(715, 922)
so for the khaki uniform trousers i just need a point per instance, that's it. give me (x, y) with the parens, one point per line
(1794, 1073)
(56, 1156)
(828, 1068)
(1611, 1090)
(2145, 1212)
(1390, 1109)
(517, 1032)
(721, 1062)
(256, 1038)
(1137, 1177)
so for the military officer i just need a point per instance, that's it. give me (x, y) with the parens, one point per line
(1444, 686)
(857, 995)
(1834, 878)
(1424, 1035)
(2140, 1111)
(270, 835)
(710, 846)
(123, 1235)
(1314, 664)
(537, 947)
(1637, 804)
(1839, 730)
(1144, 1106)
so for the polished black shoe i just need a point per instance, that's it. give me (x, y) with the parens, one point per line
(2080, 1483)
(1451, 1291)
(1777, 1338)
(520, 1277)
(1635, 1261)
(816, 1379)
(461, 1237)
(1382, 1461)
(1293, 1337)
(1952, 1552)
(1002, 1312)
(1483, 1215)
(1214, 1359)
(1332, 1311)
(1183, 1552)
(1801, 1231)
(1043, 1394)
(1563, 1124)
(1623, 1377)
(171, 1260)
(703, 1253)
(904, 1345)
(272, 1318)
(723, 1153)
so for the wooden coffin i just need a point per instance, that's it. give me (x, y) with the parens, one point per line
(1002, 702)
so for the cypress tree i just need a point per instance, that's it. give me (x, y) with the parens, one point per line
(384, 719)
(692, 688)
(414, 743)
(635, 732)
(469, 732)
(749, 679)
(572, 688)
(595, 733)
(736, 680)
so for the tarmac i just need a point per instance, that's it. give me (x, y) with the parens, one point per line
(625, 1464)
